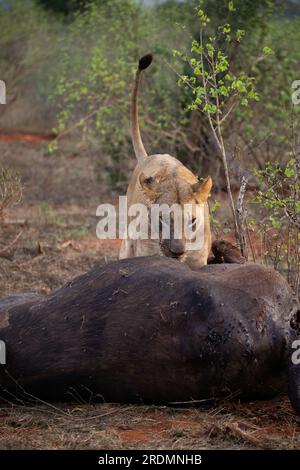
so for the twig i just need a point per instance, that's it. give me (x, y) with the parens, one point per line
(193, 402)
(3, 250)
(235, 429)
(241, 215)
(250, 242)
(292, 218)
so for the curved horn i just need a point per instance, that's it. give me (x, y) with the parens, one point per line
(138, 145)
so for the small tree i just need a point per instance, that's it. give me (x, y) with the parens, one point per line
(217, 92)
(281, 225)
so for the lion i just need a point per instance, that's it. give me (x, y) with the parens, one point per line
(164, 180)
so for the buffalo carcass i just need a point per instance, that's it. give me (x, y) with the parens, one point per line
(151, 330)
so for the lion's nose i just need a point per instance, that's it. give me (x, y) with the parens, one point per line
(173, 248)
(177, 252)
(177, 248)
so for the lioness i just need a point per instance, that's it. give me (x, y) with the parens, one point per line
(162, 179)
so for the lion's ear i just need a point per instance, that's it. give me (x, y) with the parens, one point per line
(149, 185)
(202, 189)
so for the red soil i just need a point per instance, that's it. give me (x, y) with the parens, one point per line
(25, 137)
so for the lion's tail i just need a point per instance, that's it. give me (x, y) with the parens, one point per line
(138, 145)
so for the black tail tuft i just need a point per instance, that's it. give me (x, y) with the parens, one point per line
(145, 61)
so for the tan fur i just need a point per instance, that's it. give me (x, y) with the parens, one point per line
(162, 179)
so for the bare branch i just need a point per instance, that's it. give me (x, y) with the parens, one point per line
(241, 216)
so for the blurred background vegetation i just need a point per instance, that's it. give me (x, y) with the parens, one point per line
(69, 67)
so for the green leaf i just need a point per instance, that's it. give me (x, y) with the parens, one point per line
(267, 51)
(196, 47)
(223, 91)
(210, 49)
(210, 109)
(231, 6)
(289, 172)
(240, 33)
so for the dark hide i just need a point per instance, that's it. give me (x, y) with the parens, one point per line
(151, 330)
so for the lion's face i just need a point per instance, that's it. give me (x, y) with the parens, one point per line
(172, 187)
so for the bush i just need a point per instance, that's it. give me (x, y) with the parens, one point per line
(279, 221)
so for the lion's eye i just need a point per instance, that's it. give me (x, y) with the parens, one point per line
(149, 180)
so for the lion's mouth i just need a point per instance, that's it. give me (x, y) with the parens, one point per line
(176, 255)
(171, 254)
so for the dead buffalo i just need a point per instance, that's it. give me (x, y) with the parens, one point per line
(151, 330)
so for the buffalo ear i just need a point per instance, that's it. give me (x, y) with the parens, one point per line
(202, 189)
(149, 185)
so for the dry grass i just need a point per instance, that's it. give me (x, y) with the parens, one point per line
(10, 189)
(255, 425)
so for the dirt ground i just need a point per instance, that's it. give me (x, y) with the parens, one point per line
(50, 238)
